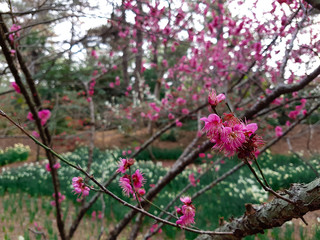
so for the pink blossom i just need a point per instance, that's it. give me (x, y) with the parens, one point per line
(186, 200)
(124, 164)
(180, 101)
(232, 138)
(187, 211)
(60, 198)
(100, 215)
(35, 134)
(16, 87)
(214, 100)
(185, 111)
(202, 155)
(14, 28)
(154, 227)
(12, 52)
(93, 215)
(293, 114)
(192, 180)
(278, 131)
(44, 116)
(79, 186)
(165, 63)
(304, 112)
(170, 116)
(118, 81)
(37, 226)
(178, 123)
(288, 123)
(111, 85)
(141, 191)
(94, 54)
(137, 179)
(57, 165)
(212, 125)
(154, 107)
(48, 167)
(124, 183)
(30, 116)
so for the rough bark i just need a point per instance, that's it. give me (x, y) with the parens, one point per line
(257, 218)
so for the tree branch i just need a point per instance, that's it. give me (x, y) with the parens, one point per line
(272, 214)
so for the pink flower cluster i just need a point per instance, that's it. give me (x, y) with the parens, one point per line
(80, 187)
(61, 198)
(130, 184)
(299, 109)
(55, 166)
(44, 116)
(278, 131)
(136, 180)
(14, 28)
(192, 180)
(231, 135)
(94, 215)
(187, 212)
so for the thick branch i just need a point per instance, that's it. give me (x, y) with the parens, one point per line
(274, 213)
(282, 89)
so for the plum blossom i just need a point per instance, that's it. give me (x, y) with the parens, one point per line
(170, 116)
(124, 183)
(231, 135)
(60, 198)
(185, 111)
(16, 87)
(154, 227)
(124, 164)
(192, 180)
(178, 123)
(278, 131)
(136, 181)
(44, 116)
(79, 186)
(215, 99)
(14, 28)
(94, 54)
(35, 134)
(187, 211)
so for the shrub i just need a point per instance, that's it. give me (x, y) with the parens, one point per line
(17, 153)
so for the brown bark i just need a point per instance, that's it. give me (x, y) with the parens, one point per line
(257, 218)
